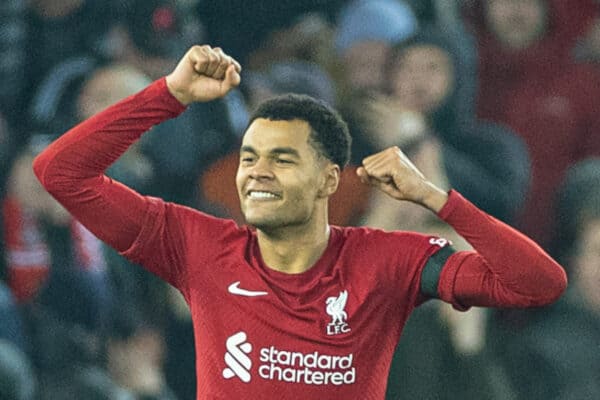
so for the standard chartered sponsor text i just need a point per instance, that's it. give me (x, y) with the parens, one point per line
(310, 368)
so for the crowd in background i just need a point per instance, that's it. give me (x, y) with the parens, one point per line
(495, 98)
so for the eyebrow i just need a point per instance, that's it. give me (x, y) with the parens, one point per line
(276, 150)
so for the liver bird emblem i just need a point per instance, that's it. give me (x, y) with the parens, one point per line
(335, 308)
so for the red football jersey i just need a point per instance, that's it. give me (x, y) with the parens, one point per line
(327, 333)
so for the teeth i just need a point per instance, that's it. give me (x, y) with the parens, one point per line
(261, 195)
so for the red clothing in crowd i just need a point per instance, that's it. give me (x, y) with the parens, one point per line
(561, 126)
(545, 98)
(28, 256)
(326, 333)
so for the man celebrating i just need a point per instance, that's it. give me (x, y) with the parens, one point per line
(291, 307)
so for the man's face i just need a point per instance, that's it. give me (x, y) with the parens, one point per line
(422, 77)
(279, 175)
(517, 24)
(107, 86)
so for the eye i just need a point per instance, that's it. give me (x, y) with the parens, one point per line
(283, 161)
(247, 159)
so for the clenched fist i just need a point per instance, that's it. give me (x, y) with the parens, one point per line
(393, 173)
(203, 74)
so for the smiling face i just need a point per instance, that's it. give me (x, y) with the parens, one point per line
(281, 179)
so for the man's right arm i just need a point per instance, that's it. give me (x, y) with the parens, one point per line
(72, 168)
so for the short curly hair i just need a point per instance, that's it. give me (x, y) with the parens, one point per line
(329, 132)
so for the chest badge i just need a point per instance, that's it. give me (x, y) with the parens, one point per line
(335, 308)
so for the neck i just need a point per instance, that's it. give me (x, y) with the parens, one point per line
(293, 249)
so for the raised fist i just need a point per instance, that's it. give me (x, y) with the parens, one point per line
(203, 74)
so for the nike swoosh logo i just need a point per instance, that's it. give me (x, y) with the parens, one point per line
(234, 288)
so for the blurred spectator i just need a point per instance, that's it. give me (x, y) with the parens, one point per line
(24, 208)
(436, 338)
(17, 379)
(151, 35)
(61, 29)
(96, 93)
(88, 384)
(366, 29)
(502, 179)
(53, 106)
(135, 354)
(197, 138)
(56, 270)
(146, 35)
(6, 152)
(83, 87)
(431, 73)
(554, 356)
(442, 13)
(103, 87)
(13, 38)
(179, 337)
(568, 20)
(288, 77)
(575, 208)
(588, 47)
(442, 354)
(429, 114)
(529, 83)
(242, 27)
(430, 93)
(11, 329)
(6, 155)
(307, 38)
(174, 166)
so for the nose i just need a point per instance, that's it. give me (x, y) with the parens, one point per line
(261, 170)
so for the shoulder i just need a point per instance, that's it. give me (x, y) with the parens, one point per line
(393, 259)
(195, 222)
(398, 242)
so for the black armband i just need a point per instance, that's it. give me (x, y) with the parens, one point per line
(430, 276)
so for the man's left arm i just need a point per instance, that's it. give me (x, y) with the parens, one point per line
(507, 269)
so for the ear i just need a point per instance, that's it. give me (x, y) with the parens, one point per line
(331, 180)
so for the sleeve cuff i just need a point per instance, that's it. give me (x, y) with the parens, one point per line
(170, 101)
(455, 199)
